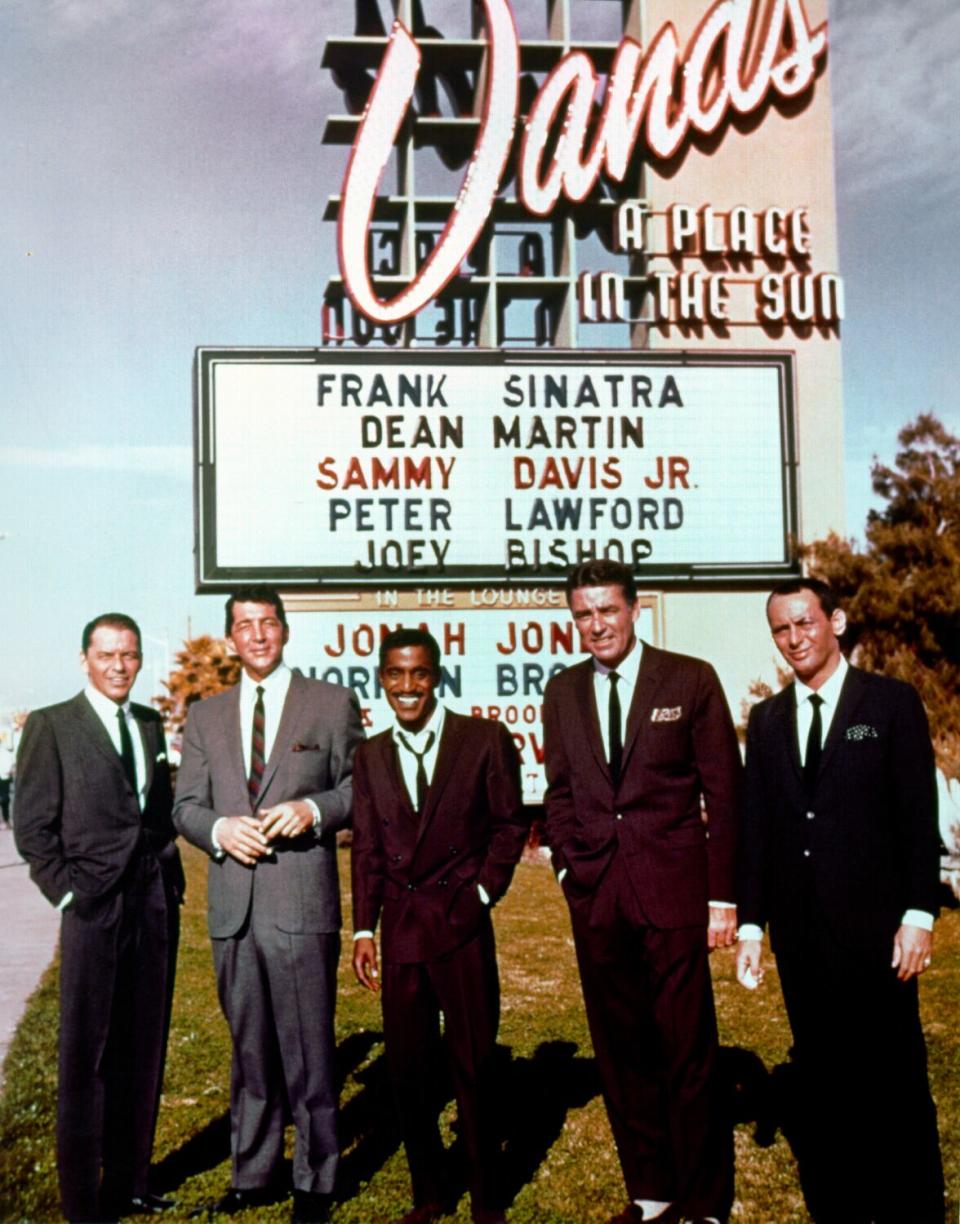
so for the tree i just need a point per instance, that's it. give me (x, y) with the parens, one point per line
(901, 592)
(205, 667)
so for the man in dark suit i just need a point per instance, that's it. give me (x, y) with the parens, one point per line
(840, 856)
(93, 822)
(635, 739)
(263, 787)
(438, 829)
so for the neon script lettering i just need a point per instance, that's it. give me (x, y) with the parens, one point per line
(742, 52)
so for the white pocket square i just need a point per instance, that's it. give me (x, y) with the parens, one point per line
(161, 756)
(666, 714)
(861, 731)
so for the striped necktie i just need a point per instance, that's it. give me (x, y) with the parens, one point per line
(256, 747)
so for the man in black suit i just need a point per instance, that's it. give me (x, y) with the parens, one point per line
(635, 739)
(840, 857)
(263, 787)
(438, 828)
(93, 822)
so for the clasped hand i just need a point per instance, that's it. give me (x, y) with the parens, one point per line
(249, 838)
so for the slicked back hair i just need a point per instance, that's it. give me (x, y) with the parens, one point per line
(602, 572)
(826, 596)
(112, 620)
(399, 639)
(260, 594)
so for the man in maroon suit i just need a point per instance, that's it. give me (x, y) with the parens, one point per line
(637, 740)
(438, 827)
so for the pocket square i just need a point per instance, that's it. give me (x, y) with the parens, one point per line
(666, 714)
(861, 731)
(298, 747)
(161, 756)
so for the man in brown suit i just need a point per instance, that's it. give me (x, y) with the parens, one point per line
(438, 828)
(635, 739)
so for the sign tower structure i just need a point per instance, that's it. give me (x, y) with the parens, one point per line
(587, 302)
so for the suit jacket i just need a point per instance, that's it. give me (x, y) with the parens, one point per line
(679, 743)
(866, 841)
(78, 821)
(423, 871)
(311, 758)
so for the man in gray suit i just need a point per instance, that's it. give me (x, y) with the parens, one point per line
(264, 785)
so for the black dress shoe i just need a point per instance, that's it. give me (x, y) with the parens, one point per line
(310, 1208)
(236, 1200)
(148, 1204)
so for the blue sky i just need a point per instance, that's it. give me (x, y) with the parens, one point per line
(163, 182)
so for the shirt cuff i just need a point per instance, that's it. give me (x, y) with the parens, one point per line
(218, 850)
(483, 894)
(65, 901)
(722, 904)
(362, 935)
(918, 918)
(750, 930)
(316, 814)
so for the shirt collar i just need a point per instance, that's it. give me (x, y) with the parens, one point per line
(278, 679)
(628, 669)
(434, 723)
(829, 690)
(104, 707)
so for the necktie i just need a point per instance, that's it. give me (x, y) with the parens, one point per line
(614, 733)
(256, 747)
(811, 761)
(421, 770)
(126, 750)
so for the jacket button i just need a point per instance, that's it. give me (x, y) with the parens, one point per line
(806, 854)
(809, 815)
(411, 888)
(619, 815)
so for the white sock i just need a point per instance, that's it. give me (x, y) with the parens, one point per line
(652, 1208)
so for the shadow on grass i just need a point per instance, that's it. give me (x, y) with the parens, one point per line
(537, 1094)
(201, 1152)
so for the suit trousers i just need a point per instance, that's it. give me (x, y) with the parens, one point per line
(117, 958)
(868, 1133)
(465, 987)
(278, 992)
(649, 1003)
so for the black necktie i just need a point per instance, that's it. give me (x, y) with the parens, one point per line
(811, 761)
(421, 770)
(256, 747)
(614, 733)
(126, 751)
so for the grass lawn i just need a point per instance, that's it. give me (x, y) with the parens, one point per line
(560, 1160)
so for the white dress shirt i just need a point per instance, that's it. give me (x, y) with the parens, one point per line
(829, 693)
(106, 711)
(418, 741)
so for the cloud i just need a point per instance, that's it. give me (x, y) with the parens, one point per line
(237, 39)
(893, 77)
(173, 462)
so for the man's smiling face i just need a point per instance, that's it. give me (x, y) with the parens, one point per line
(409, 682)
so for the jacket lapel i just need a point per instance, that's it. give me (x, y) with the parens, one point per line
(292, 707)
(850, 694)
(787, 722)
(149, 745)
(589, 715)
(390, 766)
(93, 730)
(451, 744)
(644, 695)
